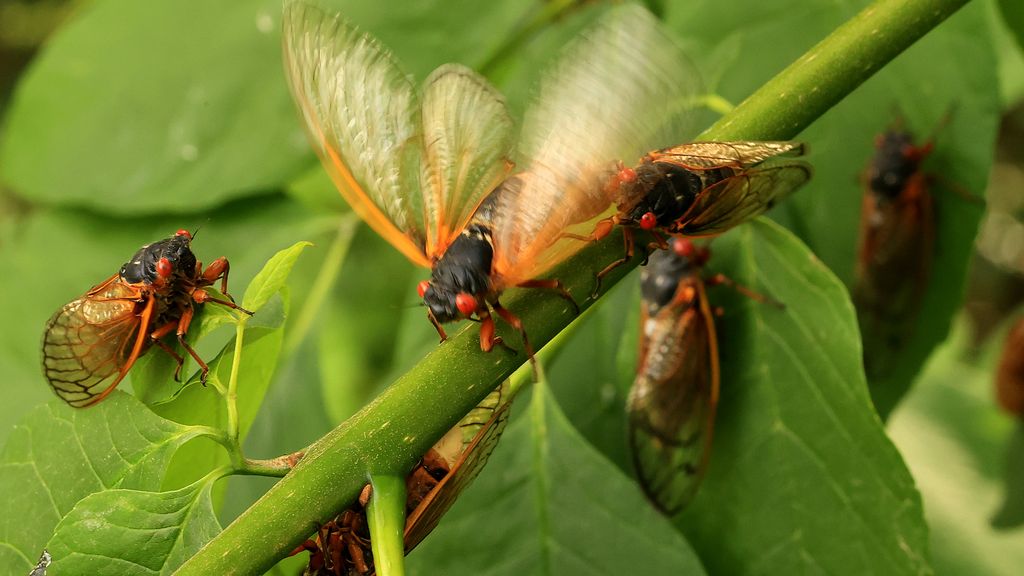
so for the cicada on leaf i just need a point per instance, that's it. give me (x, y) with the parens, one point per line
(92, 342)
(431, 170)
(674, 398)
(701, 189)
(895, 246)
(342, 546)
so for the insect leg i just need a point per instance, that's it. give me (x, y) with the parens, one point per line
(487, 338)
(218, 270)
(437, 326)
(201, 296)
(157, 337)
(722, 279)
(516, 323)
(183, 325)
(627, 239)
(552, 284)
(603, 227)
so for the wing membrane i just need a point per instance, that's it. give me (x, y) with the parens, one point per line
(741, 197)
(672, 403)
(477, 434)
(467, 140)
(711, 155)
(610, 97)
(91, 343)
(360, 110)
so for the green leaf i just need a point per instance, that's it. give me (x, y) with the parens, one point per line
(801, 466)
(272, 277)
(59, 455)
(955, 440)
(131, 532)
(141, 116)
(952, 66)
(554, 506)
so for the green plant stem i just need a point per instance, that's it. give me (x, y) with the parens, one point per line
(833, 68)
(231, 398)
(385, 513)
(391, 433)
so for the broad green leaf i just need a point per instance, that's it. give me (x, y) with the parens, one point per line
(1013, 14)
(952, 66)
(140, 115)
(272, 278)
(131, 532)
(801, 467)
(800, 463)
(552, 505)
(59, 455)
(956, 442)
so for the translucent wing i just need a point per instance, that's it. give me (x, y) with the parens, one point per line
(475, 437)
(739, 198)
(467, 140)
(672, 403)
(610, 97)
(91, 343)
(361, 114)
(709, 155)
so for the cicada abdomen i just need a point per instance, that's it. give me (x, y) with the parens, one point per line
(91, 343)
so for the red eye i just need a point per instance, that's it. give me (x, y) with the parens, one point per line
(648, 221)
(422, 287)
(627, 175)
(184, 233)
(683, 247)
(466, 303)
(164, 268)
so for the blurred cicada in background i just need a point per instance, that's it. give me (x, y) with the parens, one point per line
(429, 170)
(895, 247)
(673, 400)
(92, 342)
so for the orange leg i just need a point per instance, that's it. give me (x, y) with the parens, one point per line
(601, 229)
(201, 296)
(437, 326)
(552, 284)
(156, 336)
(627, 239)
(487, 338)
(183, 325)
(516, 323)
(723, 280)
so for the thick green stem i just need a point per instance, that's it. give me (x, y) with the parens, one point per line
(385, 514)
(396, 429)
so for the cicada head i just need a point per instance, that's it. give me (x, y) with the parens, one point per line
(461, 280)
(895, 161)
(665, 269)
(156, 263)
(653, 195)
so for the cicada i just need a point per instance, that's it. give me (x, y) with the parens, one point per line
(1010, 373)
(895, 246)
(342, 546)
(431, 170)
(92, 342)
(673, 400)
(701, 189)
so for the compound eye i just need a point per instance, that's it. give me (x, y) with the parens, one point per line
(164, 269)
(184, 233)
(466, 303)
(627, 176)
(422, 287)
(648, 221)
(684, 247)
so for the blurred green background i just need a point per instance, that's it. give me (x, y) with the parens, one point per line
(124, 121)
